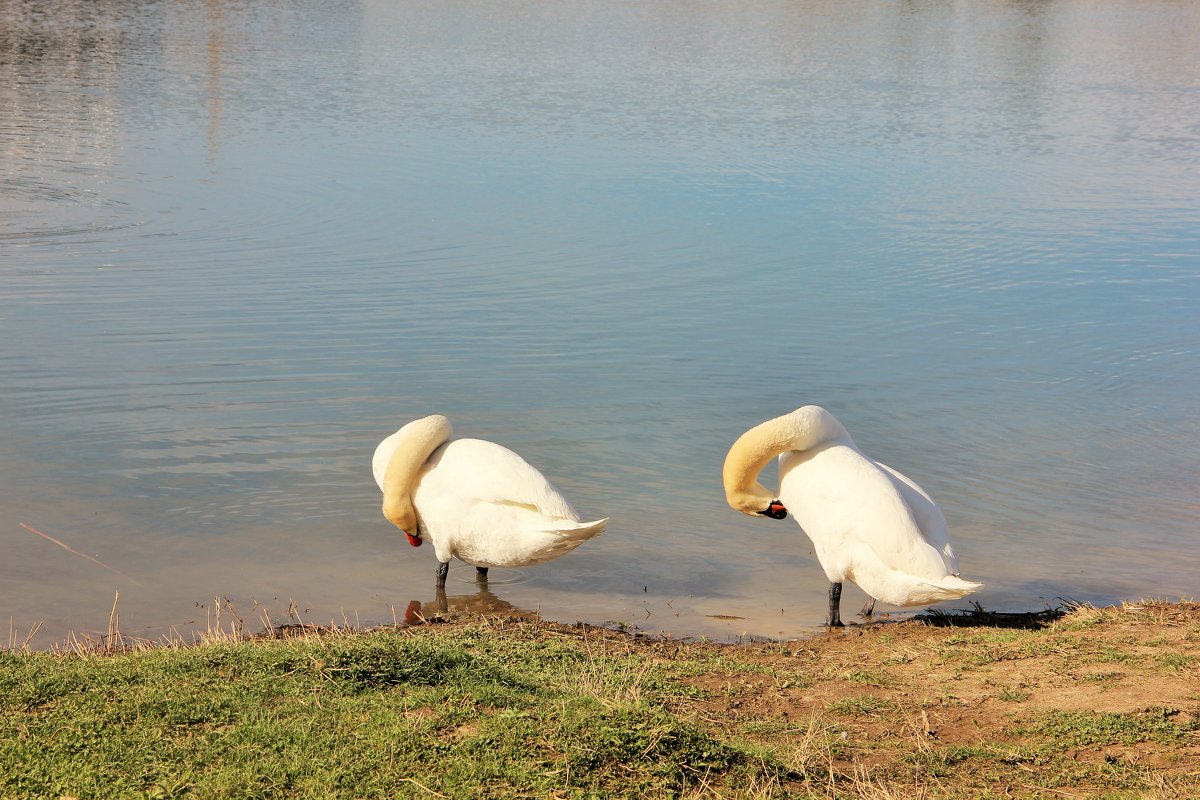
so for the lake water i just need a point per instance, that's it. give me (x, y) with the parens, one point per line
(242, 242)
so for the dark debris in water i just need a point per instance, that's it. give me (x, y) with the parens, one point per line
(979, 617)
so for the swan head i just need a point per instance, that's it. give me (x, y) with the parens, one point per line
(398, 509)
(743, 464)
(775, 511)
(756, 503)
(397, 466)
(400, 512)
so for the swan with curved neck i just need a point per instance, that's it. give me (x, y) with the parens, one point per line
(476, 501)
(868, 523)
(410, 448)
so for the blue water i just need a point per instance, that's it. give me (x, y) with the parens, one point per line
(241, 243)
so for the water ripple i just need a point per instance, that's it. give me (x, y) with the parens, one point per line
(241, 243)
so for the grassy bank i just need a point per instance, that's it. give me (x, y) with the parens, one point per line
(1098, 703)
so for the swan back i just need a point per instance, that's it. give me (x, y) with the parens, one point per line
(484, 504)
(474, 469)
(845, 501)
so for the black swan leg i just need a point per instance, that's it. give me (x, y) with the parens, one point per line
(835, 605)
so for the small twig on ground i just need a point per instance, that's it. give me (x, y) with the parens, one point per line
(1063, 792)
(417, 783)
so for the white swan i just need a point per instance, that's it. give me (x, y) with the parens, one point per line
(868, 523)
(475, 500)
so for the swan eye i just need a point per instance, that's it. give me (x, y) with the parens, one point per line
(775, 511)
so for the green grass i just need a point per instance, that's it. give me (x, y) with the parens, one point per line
(861, 706)
(1173, 663)
(523, 709)
(1082, 728)
(1012, 695)
(868, 677)
(1102, 677)
(1111, 655)
(376, 715)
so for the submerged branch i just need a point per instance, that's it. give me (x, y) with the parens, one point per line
(70, 549)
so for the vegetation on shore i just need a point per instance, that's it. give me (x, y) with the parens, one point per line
(1093, 703)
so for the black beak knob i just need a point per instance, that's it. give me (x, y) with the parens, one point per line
(775, 511)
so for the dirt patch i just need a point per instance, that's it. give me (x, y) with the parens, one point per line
(1114, 690)
(1078, 704)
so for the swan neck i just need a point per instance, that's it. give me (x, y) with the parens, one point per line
(803, 429)
(404, 466)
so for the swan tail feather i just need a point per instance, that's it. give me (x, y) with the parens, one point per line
(579, 530)
(952, 587)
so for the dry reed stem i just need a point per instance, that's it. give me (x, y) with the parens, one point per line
(12, 636)
(420, 785)
(867, 788)
(919, 726)
(114, 624)
(1062, 792)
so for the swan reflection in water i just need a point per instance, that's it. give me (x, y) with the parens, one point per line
(480, 603)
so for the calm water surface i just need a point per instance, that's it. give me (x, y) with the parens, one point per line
(242, 242)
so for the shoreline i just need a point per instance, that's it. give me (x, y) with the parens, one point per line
(1074, 703)
(225, 621)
